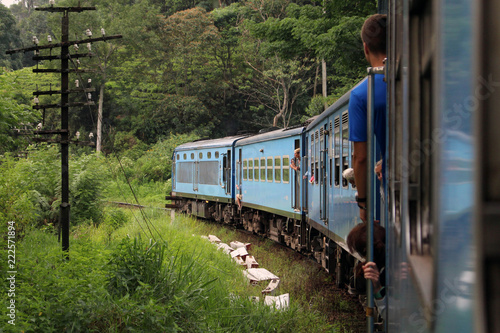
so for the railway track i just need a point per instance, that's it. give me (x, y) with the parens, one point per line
(127, 204)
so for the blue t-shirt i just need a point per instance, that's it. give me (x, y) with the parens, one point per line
(358, 114)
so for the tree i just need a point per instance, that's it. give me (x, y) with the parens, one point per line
(277, 86)
(282, 67)
(188, 36)
(9, 39)
(14, 115)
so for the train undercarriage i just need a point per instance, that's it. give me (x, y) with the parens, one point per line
(293, 233)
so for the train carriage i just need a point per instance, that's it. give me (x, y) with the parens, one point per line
(270, 188)
(443, 195)
(331, 207)
(331, 201)
(442, 173)
(202, 174)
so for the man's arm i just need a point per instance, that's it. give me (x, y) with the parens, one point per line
(359, 166)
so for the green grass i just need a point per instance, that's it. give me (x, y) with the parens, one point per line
(169, 281)
(149, 193)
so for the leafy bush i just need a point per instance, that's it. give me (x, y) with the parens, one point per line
(88, 174)
(115, 218)
(15, 201)
(177, 283)
(30, 188)
(127, 144)
(133, 265)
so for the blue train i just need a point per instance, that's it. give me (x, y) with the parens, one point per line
(311, 209)
(442, 187)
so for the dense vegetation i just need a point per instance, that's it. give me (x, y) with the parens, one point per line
(203, 67)
(139, 271)
(131, 283)
(184, 70)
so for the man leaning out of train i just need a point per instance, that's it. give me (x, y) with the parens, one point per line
(374, 271)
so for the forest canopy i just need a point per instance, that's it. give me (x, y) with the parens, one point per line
(206, 68)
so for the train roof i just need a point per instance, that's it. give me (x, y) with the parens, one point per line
(342, 101)
(280, 133)
(211, 143)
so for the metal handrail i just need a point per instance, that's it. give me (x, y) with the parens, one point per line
(370, 204)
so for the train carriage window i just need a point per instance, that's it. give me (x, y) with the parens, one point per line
(256, 169)
(185, 156)
(345, 146)
(330, 154)
(421, 126)
(200, 155)
(413, 118)
(277, 169)
(269, 169)
(178, 156)
(185, 172)
(192, 156)
(209, 155)
(208, 172)
(286, 169)
(263, 169)
(336, 153)
(245, 169)
(250, 169)
(313, 154)
(216, 154)
(352, 159)
(316, 158)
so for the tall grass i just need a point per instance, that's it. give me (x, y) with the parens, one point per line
(168, 281)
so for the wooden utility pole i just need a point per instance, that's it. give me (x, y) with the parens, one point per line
(64, 57)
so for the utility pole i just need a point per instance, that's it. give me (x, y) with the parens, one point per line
(65, 57)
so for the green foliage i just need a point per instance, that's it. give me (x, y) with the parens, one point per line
(133, 265)
(317, 106)
(127, 144)
(52, 294)
(14, 115)
(9, 39)
(88, 174)
(135, 285)
(30, 188)
(239, 67)
(15, 202)
(142, 270)
(113, 219)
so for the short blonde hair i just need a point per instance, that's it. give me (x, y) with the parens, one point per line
(296, 151)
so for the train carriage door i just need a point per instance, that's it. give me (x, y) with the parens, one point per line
(336, 151)
(345, 147)
(323, 141)
(226, 171)
(305, 164)
(196, 173)
(174, 168)
(296, 178)
(239, 173)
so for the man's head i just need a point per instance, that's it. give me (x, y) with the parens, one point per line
(374, 37)
(296, 152)
(357, 237)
